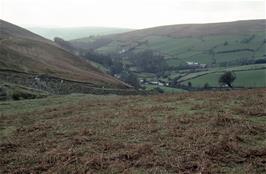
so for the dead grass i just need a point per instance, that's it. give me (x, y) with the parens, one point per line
(216, 132)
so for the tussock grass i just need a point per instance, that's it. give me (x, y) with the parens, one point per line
(199, 132)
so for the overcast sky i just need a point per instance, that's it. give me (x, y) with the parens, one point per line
(127, 13)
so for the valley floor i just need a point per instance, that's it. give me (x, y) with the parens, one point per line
(197, 132)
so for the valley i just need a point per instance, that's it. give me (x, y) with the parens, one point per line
(181, 51)
(187, 98)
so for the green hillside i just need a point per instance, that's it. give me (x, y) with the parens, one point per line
(186, 50)
(246, 76)
(205, 50)
(220, 43)
(250, 78)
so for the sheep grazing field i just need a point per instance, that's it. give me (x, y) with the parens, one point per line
(198, 132)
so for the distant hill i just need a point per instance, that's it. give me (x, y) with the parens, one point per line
(185, 49)
(75, 32)
(25, 52)
(197, 30)
(212, 43)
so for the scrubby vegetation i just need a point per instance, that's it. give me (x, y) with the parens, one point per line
(199, 132)
(17, 92)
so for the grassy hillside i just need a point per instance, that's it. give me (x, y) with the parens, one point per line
(219, 46)
(246, 76)
(196, 30)
(212, 46)
(37, 57)
(199, 132)
(215, 43)
(205, 50)
(26, 52)
(75, 32)
(250, 78)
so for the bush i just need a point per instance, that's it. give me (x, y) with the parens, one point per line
(130, 78)
(3, 94)
(189, 84)
(260, 61)
(227, 78)
(206, 86)
(159, 90)
(17, 95)
(150, 61)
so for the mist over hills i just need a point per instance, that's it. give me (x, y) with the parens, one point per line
(75, 32)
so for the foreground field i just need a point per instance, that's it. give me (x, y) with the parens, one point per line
(203, 132)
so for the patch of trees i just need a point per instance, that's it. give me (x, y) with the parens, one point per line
(260, 61)
(116, 67)
(99, 58)
(113, 64)
(18, 95)
(3, 94)
(158, 90)
(150, 61)
(130, 78)
(243, 61)
(206, 85)
(189, 84)
(227, 78)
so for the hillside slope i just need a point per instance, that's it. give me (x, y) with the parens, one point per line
(214, 43)
(197, 30)
(186, 50)
(26, 52)
(8, 30)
